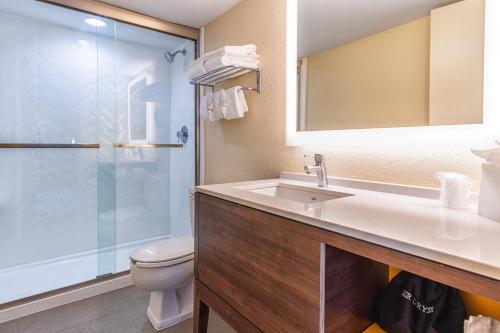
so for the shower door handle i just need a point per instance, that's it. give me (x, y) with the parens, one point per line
(148, 145)
(48, 145)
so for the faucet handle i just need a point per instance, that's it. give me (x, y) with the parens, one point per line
(318, 158)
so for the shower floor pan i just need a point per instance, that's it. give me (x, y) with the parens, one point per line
(27, 280)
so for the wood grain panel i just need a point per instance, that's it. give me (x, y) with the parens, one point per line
(230, 316)
(352, 284)
(454, 277)
(268, 270)
(269, 275)
(463, 280)
(200, 309)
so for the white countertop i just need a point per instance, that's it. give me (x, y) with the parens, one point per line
(411, 224)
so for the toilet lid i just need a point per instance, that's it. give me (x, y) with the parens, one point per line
(164, 250)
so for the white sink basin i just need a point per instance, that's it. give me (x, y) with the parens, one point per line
(301, 194)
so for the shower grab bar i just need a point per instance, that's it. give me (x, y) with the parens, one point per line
(148, 145)
(48, 145)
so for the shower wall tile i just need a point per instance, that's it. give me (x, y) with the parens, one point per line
(18, 84)
(62, 85)
(48, 86)
(143, 184)
(48, 203)
(67, 85)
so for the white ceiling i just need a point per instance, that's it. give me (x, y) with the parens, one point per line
(193, 13)
(325, 24)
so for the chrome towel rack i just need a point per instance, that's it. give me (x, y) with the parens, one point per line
(220, 75)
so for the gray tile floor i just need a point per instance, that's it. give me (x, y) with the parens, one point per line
(120, 311)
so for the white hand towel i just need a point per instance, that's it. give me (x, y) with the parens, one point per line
(237, 105)
(490, 155)
(220, 105)
(243, 101)
(228, 60)
(480, 324)
(196, 68)
(206, 105)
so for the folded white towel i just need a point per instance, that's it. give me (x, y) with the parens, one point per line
(206, 105)
(490, 155)
(243, 101)
(237, 105)
(196, 68)
(229, 60)
(242, 50)
(220, 104)
(480, 324)
(245, 56)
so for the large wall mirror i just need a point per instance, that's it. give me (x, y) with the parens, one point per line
(390, 63)
(387, 64)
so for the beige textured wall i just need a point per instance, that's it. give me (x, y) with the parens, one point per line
(457, 63)
(378, 81)
(254, 147)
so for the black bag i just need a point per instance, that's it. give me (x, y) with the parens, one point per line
(413, 304)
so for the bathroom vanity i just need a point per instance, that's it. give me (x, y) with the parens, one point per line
(283, 255)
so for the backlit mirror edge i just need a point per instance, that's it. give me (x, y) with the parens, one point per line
(470, 135)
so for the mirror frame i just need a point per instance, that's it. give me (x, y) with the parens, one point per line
(408, 137)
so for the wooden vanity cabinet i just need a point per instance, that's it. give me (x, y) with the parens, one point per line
(262, 272)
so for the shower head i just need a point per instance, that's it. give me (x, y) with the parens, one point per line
(170, 56)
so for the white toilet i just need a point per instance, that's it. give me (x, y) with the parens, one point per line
(166, 268)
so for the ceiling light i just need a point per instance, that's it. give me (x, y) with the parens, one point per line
(95, 22)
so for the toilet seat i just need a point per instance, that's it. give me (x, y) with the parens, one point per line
(164, 253)
(163, 263)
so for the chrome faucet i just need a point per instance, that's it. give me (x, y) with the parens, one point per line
(319, 167)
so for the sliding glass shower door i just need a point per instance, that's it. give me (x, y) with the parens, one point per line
(154, 170)
(89, 166)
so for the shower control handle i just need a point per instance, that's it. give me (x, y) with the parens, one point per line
(183, 135)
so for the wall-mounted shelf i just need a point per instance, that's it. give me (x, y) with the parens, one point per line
(220, 75)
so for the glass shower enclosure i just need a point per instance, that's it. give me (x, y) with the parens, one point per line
(90, 163)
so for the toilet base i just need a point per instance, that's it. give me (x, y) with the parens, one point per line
(170, 307)
(162, 324)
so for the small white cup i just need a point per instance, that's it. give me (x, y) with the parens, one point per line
(455, 190)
